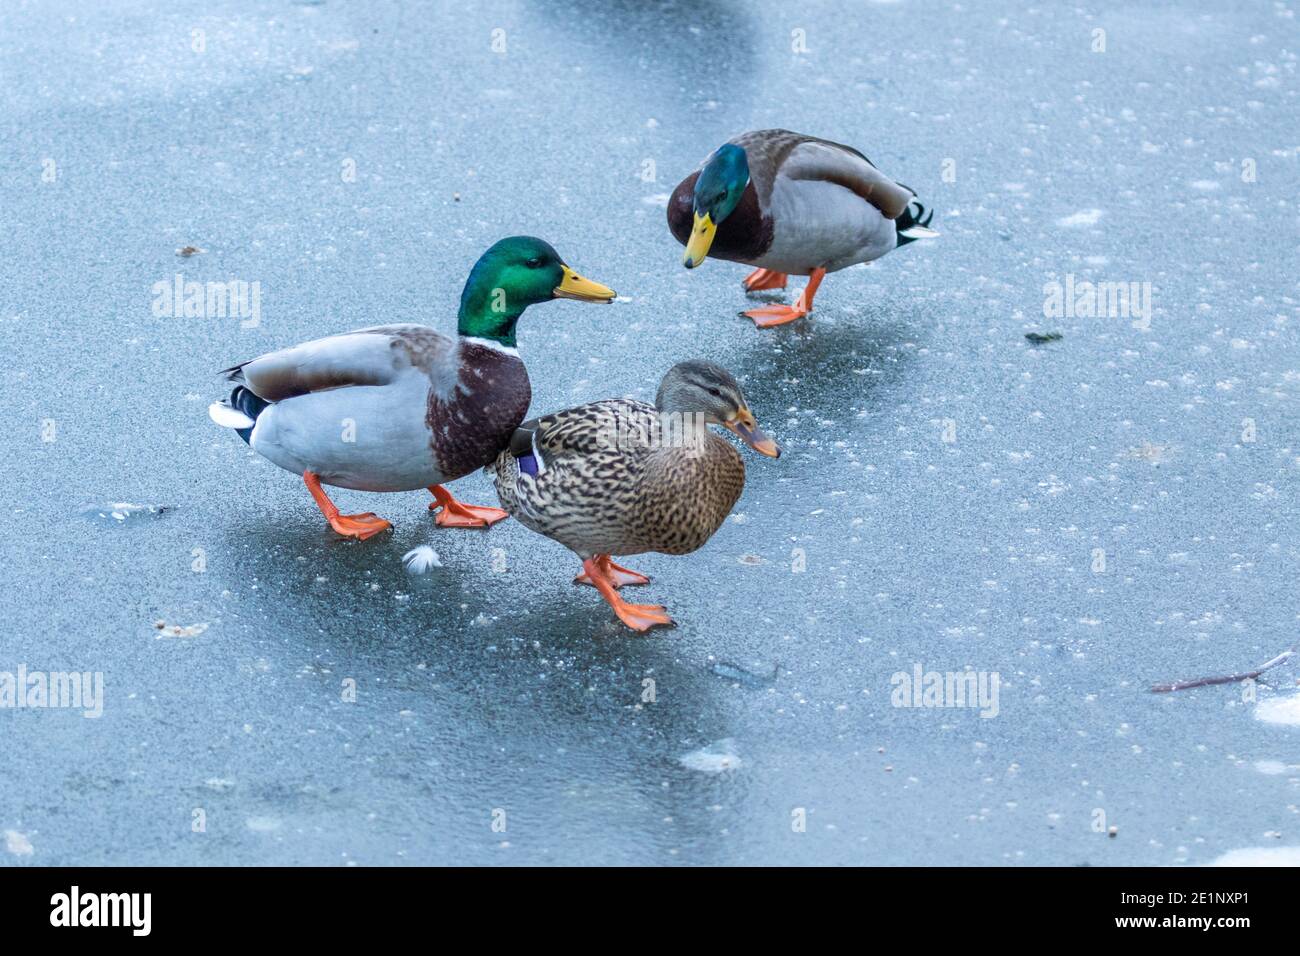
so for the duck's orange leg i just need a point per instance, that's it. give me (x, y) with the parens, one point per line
(765, 279)
(770, 315)
(360, 526)
(617, 575)
(639, 617)
(453, 514)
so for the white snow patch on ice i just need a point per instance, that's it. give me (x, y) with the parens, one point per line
(124, 510)
(1087, 217)
(18, 844)
(1260, 856)
(1280, 710)
(1270, 767)
(718, 757)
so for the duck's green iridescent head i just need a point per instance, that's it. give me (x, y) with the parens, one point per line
(512, 275)
(718, 189)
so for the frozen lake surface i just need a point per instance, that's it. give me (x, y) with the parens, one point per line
(1080, 518)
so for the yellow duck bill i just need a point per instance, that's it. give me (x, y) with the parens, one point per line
(747, 430)
(701, 239)
(574, 286)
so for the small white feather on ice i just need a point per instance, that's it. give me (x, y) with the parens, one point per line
(420, 559)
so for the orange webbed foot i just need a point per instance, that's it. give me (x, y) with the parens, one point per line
(770, 315)
(642, 617)
(639, 617)
(360, 526)
(467, 516)
(617, 575)
(455, 514)
(761, 279)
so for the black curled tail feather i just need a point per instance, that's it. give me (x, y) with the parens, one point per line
(248, 403)
(916, 214)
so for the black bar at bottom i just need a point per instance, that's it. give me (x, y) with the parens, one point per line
(332, 906)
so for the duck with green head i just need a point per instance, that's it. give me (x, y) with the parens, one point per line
(791, 204)
(402, 407)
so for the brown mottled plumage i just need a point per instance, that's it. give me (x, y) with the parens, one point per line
(595, 497)
(622, 477)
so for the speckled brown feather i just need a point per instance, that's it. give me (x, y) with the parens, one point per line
(598, 495)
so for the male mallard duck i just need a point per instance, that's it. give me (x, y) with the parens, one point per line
(401, 407)
(623, 477)
(790, 203)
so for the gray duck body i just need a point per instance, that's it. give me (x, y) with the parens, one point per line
(389, 408)
(810, 203)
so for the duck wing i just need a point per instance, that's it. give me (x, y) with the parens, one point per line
(373, 356)
(608, 426)
(774, 152)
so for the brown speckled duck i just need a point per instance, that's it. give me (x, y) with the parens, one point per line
(403, 407)
(789, 203)
(623, 477)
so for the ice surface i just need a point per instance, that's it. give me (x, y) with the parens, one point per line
(1084, 518)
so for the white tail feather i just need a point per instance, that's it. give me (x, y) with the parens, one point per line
(228, 417)
(918, 232)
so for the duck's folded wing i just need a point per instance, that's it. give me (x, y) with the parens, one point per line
(843, 165)
(584, 430)
(372, 356)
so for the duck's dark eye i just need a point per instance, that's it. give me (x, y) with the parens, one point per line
(534, 263)
(715, 393)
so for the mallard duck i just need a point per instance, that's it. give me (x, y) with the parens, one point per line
(401, 407)
(791, 204)
(623, 477)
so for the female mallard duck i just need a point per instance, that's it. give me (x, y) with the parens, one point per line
(623, 477)
(790, 203)
(401, 407)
